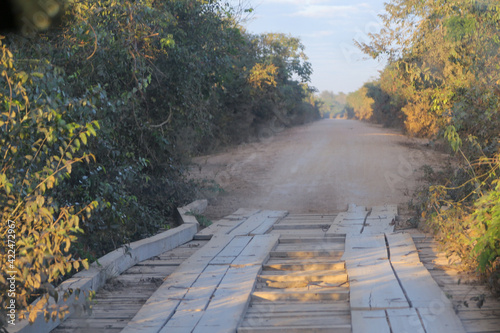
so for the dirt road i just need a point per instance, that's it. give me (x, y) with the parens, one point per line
(316, 168)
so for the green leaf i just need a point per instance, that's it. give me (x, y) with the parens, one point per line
(83, 137)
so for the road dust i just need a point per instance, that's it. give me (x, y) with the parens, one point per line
(317, 168)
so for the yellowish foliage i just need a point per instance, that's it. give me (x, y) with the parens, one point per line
(262, 75)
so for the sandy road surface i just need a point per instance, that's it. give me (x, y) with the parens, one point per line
(316, 168)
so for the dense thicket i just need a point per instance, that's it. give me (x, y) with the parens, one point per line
(443, 81)
(100, 115)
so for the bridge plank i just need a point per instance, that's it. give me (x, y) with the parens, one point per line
(231, 251)
(402, 248)
(440, 320)
(255, 221)
(374, 286)
(405, 320)
(419, 286)
(369, 322)
(257, 251)
(230, 300)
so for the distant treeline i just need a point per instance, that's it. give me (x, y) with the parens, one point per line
(332, 105)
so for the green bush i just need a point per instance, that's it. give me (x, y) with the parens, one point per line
(39, 145)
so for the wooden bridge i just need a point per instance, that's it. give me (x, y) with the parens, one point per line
(269, 271)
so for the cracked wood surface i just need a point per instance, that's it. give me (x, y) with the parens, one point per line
(389, 286)
(298, 276)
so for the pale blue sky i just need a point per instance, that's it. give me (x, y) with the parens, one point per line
(327, 29)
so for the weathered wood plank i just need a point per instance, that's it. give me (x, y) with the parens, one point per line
(220, 226)
(300, 261)
(440, 320)
(231, 251)
(336, 266)
(339, 294)
(151, 270)
(294, 233)
(353, 209)
(296, 320)
(379, 225)
(284, 239)
(402, 249)
(385, 210)
(287, 307)
(198, 296)
(229, 301)
(296, 226)
(331, 255)
(243, 213)
(369, 322)
(248, 224)
(160, 307)
(320, 246)
(348, 223)
(481, 325)
(374, 286)
(268, 223)
(255, 221)
(365, 248)
(319, 276)
(299, 314)
(292, 329)
(420, 287)
(404, 320)
(257, 250)
(345, 227)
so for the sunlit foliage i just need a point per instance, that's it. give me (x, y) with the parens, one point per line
(443, 78)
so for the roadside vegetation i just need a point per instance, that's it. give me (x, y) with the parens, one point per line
(331, 105)
(101, 114)
(442, 81)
